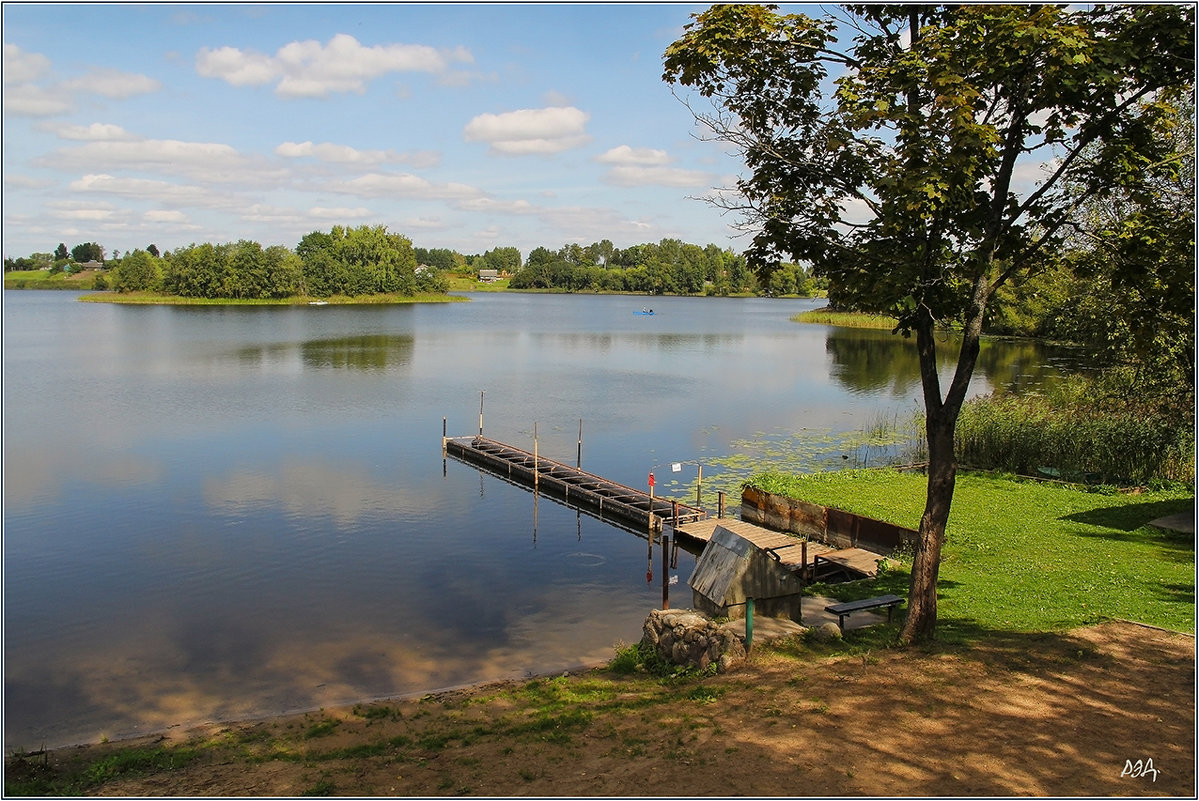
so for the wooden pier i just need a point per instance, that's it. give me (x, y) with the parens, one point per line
(815, 561)
(608, 499)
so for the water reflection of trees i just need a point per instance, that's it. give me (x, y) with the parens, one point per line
(361, 352)
(871, 361)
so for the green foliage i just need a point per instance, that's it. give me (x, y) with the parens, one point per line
(86, 251)
(1118, 445)
(357, 261)
(137, 271)
(668, 267)
(241, 270)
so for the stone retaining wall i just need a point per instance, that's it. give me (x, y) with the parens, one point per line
(687, 638)
(823, 523)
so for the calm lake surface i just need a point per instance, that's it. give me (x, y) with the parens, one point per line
(217, 513)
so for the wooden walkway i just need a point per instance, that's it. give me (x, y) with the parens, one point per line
(573, 486)
(814, 560)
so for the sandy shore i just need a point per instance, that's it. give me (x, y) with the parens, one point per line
(1104, 710)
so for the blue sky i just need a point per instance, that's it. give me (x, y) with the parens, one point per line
(460, 126)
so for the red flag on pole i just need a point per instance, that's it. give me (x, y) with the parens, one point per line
(651, 479)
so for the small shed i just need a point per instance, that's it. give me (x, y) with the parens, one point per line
(489, 276)
(732, 569)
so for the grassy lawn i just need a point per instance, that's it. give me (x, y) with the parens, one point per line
(43, 279)
(1024, 556)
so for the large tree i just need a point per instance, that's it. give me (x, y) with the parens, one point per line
(934, 168)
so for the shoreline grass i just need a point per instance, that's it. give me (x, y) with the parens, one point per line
(827, 316)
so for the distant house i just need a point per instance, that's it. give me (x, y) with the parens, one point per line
(91, 265)
(489, 276)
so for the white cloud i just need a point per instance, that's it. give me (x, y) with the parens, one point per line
(344, 154)
(208, 162)
(339, 213)
(21, 67)
(492, 206)
(96, 132)
(643, 166)
(27, 100)
(634, 175)
(530, 131)
(643, 156)
(401, 184)
(235, 67)
(149, 190)
(77, 210)
(25, 181)
(164, 216)
(423, 223)
(311, 69)
(113, 83)
(25, 94)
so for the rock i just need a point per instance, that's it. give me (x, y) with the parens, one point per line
(827, 632)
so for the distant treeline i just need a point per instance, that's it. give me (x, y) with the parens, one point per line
(670, 267)
(370, 260)
(345, 261)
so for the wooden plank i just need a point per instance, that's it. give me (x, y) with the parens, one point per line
(858, 560)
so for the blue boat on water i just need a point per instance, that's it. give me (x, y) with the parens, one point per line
(644, 310)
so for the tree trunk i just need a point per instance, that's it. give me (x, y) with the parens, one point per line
(921, 620)
(940, 422)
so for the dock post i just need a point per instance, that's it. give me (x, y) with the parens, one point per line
(443, 431)
(749, 624)
(674, 513)
(651, 508)
(536, 472)
(481, 393)
(699, 486)
(579, 453)
(720, 505)
(665, 572)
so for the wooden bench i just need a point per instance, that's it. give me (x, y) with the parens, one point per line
(849, 607)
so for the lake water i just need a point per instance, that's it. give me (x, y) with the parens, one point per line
(215, 513)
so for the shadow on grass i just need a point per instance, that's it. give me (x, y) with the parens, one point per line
(1130, 517)
(1131, 524)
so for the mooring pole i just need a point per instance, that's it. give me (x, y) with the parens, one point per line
(749, 624)
(674, 513)
(579, 454)
(720, 505)
(443, 432)
(481, 393)
(536, 472)
(665, 572)
(651, 508)
(699, 485)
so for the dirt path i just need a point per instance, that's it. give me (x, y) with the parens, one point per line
(1041, 715)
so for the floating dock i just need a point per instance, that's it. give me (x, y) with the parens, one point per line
(575, 487)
